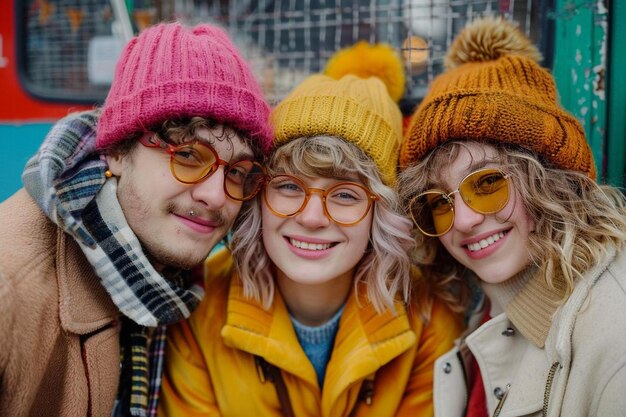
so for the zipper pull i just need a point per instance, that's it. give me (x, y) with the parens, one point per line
(262, 369)
(366, 394)
(501, 402)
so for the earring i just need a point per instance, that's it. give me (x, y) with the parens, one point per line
(108, 173)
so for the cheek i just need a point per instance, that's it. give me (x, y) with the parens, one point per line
(266, 217)
(362, 232)
(446, 241)
(516, 212)
(231, 210)
(525, 222)
(268, 225)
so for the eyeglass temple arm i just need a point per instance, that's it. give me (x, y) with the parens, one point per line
(157, 143)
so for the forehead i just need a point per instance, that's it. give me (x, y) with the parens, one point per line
(327, 182)
(227, 142)
(469, 157)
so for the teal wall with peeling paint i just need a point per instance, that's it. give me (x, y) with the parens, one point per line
(584, 68)
(616, 89)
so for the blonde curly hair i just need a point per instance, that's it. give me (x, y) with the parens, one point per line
(575, 218)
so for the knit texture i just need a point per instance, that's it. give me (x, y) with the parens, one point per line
(529, 302)
(173, 72)
(355, 109)
(497, 92)
(317, 342)
(366, 60)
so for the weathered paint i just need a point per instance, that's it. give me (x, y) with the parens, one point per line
(581, 36)
(616, 89)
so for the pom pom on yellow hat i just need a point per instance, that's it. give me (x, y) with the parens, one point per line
(355, 99)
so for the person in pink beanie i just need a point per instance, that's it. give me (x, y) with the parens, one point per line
(118, 205)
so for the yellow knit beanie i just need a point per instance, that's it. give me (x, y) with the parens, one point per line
(358, 110)
(495, 91)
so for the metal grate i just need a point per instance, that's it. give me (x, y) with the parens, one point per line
(285, 40)
(56, 39)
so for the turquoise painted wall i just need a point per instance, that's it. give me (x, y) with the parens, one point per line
(589, 66)
(20, 143)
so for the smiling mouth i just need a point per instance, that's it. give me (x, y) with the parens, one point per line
(309, 245)
(484, 243)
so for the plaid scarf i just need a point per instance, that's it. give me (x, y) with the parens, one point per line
(66, 179)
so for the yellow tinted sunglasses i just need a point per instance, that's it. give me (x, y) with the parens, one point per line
(486, 191)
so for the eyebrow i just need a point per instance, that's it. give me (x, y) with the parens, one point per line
(246, 153)
(474, 166)
(347, 179)
(241, 155)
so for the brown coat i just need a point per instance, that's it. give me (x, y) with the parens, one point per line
(59, 334)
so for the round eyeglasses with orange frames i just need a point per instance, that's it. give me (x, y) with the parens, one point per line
(486, 191)
(195, 161)
(345, 203)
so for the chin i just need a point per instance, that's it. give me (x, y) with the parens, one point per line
(178, 260)
(495, 276)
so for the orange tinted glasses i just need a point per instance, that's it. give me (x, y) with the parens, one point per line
(345, 203)
(195, 161)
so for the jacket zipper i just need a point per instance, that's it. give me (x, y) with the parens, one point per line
(546, 394)
(501, 402)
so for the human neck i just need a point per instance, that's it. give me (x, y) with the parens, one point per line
(502, 293)
(314, 304)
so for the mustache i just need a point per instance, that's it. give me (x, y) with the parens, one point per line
(213, 216)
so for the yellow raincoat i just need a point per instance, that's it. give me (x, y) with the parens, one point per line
(210, 365)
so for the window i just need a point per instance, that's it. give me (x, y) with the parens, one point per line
(69, 48)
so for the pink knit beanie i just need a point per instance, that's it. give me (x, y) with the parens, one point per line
(172, 72)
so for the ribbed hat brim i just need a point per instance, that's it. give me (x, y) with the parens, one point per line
(339, 116)
(224, 103)
(500, 117)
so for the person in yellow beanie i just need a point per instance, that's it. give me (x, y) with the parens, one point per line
(500, 182)
(315, 315)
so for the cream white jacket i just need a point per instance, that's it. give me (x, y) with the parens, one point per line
(581, 372)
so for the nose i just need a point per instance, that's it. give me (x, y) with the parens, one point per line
(465, 219)
(211, 191)
(313, 215)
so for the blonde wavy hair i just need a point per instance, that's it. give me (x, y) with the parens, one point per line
(576, 220)
(384, 268)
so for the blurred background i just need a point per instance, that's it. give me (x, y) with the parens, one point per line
(58, 56)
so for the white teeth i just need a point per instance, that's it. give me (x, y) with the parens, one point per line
(309, 245)
(483, 243)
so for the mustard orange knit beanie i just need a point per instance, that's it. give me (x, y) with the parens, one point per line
(495, 91)
(357, 108)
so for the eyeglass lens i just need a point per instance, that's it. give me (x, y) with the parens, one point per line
(345, 203)
(194, 162)
(485, 191)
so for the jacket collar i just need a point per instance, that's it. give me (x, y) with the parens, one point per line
(529, 302)
(84, 305)
(365, 340)
(510, 360)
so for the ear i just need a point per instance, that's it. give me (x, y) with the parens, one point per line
(116, 163)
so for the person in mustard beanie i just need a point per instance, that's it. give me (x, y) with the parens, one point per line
(316, 314)
(119, 204)
(500, 183)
